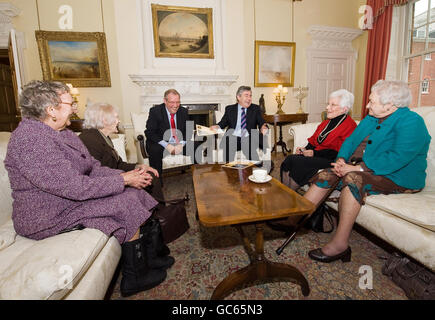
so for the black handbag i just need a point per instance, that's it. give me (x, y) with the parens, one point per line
(172, 217)
(417, 282)
(315, 222)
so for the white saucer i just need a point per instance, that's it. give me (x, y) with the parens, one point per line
(252, 178)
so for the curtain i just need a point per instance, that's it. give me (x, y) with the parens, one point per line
(378, 45)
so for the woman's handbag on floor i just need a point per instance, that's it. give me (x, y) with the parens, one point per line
(172, 217)
(417, 282)
(315, 222)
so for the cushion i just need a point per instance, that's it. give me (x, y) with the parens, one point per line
(48, 268)
(7, 234)
(139, 121)
(428, 114)
(418, 208)
(5, 188)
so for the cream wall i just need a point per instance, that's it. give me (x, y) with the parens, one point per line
(246, 21)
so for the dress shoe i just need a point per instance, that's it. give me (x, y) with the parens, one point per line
(318, 255)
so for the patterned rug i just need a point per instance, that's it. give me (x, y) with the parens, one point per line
(205, 256)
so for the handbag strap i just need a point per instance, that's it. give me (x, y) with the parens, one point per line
(329, 218)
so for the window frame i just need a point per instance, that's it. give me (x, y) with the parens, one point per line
(407, 55)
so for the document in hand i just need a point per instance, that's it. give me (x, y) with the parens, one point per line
(206, 131)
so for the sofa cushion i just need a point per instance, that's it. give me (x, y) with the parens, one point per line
(5, 188)
(49, 268)
(428, 114)
(418, 208)
(7, 234)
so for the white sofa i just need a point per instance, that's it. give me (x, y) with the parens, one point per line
(406, 221)
(74, 265)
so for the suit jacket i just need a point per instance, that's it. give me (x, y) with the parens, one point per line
(158, 123)
(254, 118)
(103, 152)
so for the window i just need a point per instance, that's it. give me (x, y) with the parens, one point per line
(425, 86)
(420, 45)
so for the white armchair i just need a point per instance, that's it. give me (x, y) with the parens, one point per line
(169, 162)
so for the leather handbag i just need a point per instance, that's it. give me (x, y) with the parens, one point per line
(172, 217)
(315, 222)
(417, 282)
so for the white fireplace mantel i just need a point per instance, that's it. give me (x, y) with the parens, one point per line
(192, 88)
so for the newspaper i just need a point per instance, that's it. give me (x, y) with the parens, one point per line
(206, 131)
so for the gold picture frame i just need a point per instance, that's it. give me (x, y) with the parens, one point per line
(79, 58)
(182, 32)
(274, 63)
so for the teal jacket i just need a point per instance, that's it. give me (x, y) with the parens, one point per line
(397, 148)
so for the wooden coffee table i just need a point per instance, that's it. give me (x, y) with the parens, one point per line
(226, 196)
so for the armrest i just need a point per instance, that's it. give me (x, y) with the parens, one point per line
(301, 133)
(141, 139)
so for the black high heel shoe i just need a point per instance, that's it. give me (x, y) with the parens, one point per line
(318, 255)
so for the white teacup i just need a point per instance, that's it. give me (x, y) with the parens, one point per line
(260, 174)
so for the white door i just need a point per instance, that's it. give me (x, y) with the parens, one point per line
(327, 75)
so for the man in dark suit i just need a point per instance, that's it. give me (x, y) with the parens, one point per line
(166, 129)
(242, 120)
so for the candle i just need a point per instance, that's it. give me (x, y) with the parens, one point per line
(74, 91)
(275, 91)
(280, 87)
(285, 91)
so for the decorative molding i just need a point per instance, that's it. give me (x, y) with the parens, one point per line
(192, 88)
(325, 37)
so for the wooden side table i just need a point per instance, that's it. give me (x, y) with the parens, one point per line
(281, 120)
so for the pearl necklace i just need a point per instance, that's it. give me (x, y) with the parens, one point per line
(322, 136)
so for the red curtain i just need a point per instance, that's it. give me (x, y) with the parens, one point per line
(378, 45)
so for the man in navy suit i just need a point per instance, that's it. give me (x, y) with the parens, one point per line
(243, 121)
(166, 129)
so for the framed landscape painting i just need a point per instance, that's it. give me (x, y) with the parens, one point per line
(274, 63)
(182, 32)
(79, 58)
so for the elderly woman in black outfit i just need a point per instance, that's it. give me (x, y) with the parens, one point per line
(101, 120)
(321, 150)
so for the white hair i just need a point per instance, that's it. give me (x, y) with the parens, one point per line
(395, 92)
(346, 98)
(98, 115)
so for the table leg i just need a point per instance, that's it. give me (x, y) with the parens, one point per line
(259, 269)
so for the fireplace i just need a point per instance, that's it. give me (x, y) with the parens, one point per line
(202, 114)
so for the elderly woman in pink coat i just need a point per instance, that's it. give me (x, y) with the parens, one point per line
(57, 186)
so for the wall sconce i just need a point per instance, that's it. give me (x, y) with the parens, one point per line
(74, 92)
(280, 93)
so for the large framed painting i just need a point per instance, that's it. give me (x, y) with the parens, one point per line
(182, 32)
(274, 63)
(79, 58)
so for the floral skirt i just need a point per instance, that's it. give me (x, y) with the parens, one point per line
(361, 184)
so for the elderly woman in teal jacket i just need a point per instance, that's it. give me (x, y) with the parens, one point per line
(385, 154)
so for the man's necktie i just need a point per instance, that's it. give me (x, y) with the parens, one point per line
(243, 122)
(174, 129)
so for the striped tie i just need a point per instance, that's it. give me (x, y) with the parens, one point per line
(243, 122)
